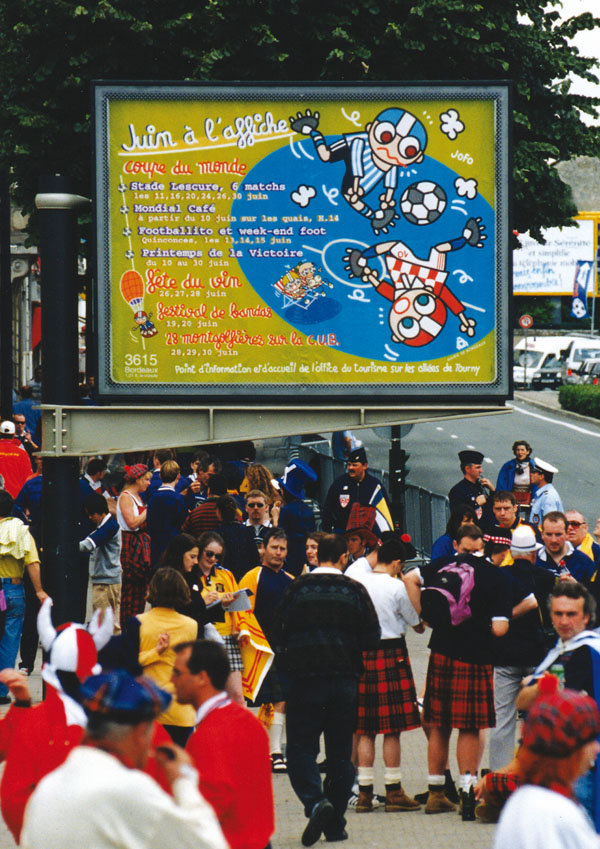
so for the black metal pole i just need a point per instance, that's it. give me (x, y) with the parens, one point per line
(396, 484)
(58, 250)
(6, 315)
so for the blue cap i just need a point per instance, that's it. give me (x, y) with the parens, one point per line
(119, 697)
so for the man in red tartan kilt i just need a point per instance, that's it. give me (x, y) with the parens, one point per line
(459, 689)
(387, 700)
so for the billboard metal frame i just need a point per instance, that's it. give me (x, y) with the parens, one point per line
(493, 393)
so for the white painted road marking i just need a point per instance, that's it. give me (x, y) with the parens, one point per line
(555, 421)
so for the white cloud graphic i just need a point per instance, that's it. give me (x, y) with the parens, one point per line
(303, 195)
(465, 188)
(451, 124)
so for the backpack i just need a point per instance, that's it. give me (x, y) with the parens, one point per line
(445, 600)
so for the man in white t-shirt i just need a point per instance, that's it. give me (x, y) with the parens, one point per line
(387, 701)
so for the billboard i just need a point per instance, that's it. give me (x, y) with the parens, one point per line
(302, 242)
(551, 268)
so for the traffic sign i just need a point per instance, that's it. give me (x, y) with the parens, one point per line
(526, 321)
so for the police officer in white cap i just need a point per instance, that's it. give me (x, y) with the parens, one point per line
(545, 497)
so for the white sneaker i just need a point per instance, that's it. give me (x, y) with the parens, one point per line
(353, 800)
(377, 802)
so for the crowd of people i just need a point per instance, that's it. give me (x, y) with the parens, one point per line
(230, 636)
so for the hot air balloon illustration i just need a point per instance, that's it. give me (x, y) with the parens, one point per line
(132, 289)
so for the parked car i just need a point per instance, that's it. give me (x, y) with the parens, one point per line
(580, 375)
(590, 372)
(581, 349)
(549, 375)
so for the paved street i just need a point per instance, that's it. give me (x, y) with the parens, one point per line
(569, 442)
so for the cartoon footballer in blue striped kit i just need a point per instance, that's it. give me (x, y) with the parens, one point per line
(394, 139)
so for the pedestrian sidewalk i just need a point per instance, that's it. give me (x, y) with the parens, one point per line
(379, 830)
(547, 398)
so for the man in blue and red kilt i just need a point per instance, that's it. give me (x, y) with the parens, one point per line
(459, 689)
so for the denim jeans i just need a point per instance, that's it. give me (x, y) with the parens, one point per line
(15, 612)
(585, 792)
(318, 706)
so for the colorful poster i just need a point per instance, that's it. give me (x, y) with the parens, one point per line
(290, 242)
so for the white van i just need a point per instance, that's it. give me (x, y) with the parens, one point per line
(531, 353)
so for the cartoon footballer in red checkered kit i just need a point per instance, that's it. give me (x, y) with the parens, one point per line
(418, 291)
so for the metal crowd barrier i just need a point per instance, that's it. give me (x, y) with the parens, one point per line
(426, 515)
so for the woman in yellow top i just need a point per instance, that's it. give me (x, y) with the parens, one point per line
(215, 579)
(161, 629)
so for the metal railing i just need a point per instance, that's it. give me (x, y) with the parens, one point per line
(426, 515)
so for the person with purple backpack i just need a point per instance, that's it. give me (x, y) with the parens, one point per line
(459, 690)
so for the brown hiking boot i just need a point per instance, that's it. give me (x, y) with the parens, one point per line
(364, 804)
(487, 813)
(397, 800)
(437, 803)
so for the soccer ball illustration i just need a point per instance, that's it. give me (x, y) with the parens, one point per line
(423, 202)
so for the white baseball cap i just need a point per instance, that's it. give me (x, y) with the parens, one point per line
(7, 428)
(523, 540)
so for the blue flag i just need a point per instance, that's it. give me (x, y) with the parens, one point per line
(583, 276)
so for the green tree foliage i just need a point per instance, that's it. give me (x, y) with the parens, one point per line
(50, 50)
(540, 309)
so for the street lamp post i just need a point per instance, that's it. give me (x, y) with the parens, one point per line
(6, 354)
(58, 218)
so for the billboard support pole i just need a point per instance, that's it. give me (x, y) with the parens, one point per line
(58, 248)
(594, 273)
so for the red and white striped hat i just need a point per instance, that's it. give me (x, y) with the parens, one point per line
(72, 647)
